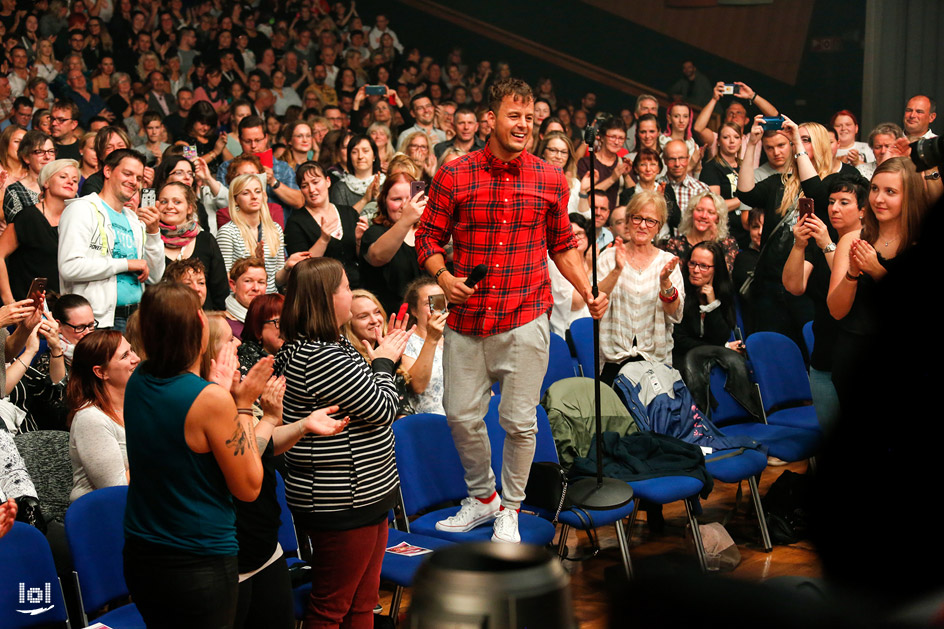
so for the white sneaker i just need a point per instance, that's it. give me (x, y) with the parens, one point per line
(472, 513)
(506, 527)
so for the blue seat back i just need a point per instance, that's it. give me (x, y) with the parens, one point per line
(559, 364)
(779, 370)
(581, 333)
(96, 536)
(808, 337)
(427, 461)
(28, 580)
(545, 448)
(288, 539)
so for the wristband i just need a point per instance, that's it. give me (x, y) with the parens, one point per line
(797, 156)
(438, 273)
(244, 411)
(669, 300)
(276, 185)
(852, 278)
(22, 363)
(59, 355)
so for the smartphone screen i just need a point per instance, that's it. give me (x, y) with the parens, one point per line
(36, 289)
(805, 207)
(437, 302)
(148, 197)
(416, 187)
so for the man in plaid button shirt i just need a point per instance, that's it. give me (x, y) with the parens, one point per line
(506, 209)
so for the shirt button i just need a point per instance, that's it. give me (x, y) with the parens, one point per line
(505, 222)
(496, 266)
(493, 286)
(489, 308)
(501, 243)
(507, 179)
(506, 200)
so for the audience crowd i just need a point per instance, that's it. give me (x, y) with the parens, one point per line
(219, 191)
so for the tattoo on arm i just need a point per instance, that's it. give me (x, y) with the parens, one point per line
(240, 441)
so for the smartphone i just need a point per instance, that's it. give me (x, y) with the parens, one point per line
(417, 187)
(36, 290)
(437, 302)
(375, 90)
(190, 152)
(148, 197)
(805, 207)
(772, 123)
(729, 89)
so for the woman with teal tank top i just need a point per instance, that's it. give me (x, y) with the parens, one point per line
(191, 448)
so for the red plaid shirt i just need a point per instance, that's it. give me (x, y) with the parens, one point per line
(508, 216)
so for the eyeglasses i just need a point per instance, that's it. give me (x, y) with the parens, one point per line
(699, 266)
(638, 220)
(556, 151)
(276, 322)
(181, 173)
(616, 138)
(41, 152)
(418, 147)
(82, 327)
(60, 120)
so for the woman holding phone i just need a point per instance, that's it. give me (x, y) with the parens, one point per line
(26, 243)
(422, 358)
(388, 244)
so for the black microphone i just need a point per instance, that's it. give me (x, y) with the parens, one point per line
(476, 275)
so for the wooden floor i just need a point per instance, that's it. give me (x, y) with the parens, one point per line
(674, 548)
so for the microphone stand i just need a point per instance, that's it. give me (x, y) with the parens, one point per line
(600, 493)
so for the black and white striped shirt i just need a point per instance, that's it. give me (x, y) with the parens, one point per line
(355, 468)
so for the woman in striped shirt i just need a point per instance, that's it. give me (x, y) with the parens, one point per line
(340, 488)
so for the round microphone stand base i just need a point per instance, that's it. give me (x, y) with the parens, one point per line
(600, 494)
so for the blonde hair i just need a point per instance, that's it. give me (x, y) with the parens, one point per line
(270, 233)
(721, 208)
(360, 293)
(216, 325)
(403, 163)
(822, 159)
(643, 198)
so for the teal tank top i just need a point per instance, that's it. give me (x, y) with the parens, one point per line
(176, 497)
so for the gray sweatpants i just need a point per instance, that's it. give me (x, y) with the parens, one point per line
(518, 360)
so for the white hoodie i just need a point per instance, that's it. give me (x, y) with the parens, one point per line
(86, 265)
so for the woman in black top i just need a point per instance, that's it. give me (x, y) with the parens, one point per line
(808, 270)
(184, 238)
(31, 240)
(721, 175)
(388, 245)
(701, 339)
(201, 128)
(323, 228)
(709, 303)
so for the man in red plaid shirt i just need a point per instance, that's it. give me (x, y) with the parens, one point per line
(506, 209)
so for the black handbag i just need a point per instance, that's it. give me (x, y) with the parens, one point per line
(547, 488)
